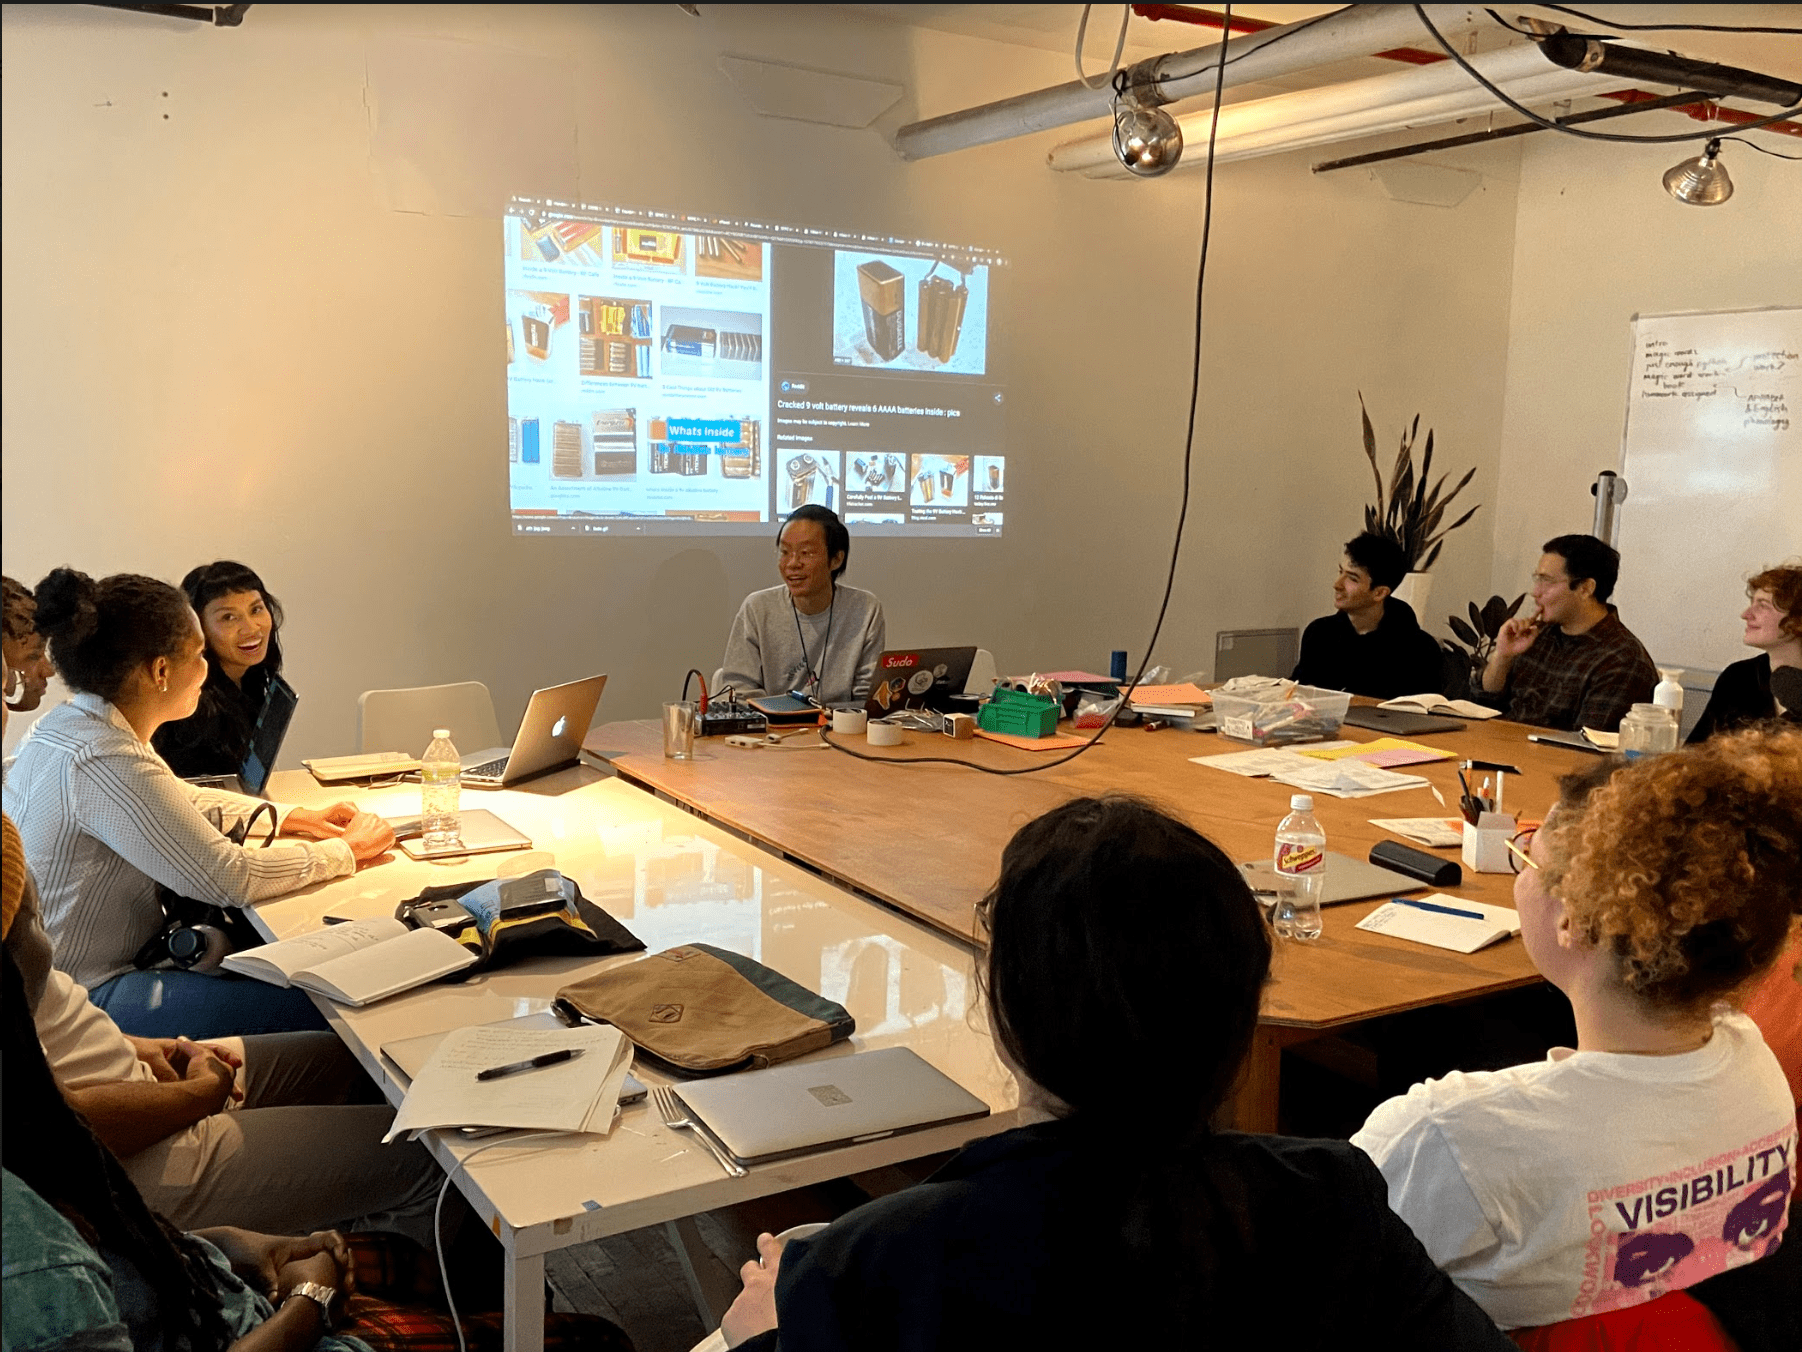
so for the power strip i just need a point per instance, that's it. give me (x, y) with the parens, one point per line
(727, 720)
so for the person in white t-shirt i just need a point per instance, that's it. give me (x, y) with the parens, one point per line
(1662, 1150)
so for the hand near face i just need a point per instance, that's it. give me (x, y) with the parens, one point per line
(1516, 636)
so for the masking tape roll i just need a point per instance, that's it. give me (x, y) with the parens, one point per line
(850, 722)
(885, 734)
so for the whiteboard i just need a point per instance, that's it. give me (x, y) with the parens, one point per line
(1712, 456)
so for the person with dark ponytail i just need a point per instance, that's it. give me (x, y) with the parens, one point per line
(242, 623)
(105, 821)
(1124, 966)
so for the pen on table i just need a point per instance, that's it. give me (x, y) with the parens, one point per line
(1435, 906)
(536, 1063)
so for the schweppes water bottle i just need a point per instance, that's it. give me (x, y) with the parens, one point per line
(1300, 860)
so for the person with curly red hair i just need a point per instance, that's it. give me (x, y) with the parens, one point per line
(1769, 685)
(1568, 1196)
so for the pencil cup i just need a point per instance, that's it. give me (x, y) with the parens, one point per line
(849, 722)
(1486, 843)
(679, 730)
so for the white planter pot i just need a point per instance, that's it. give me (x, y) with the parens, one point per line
(1415, 589)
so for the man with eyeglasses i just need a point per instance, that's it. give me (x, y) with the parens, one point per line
(812, 634)
(1571, 664)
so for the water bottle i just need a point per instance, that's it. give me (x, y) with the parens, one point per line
(1300, 860)
(441, 781)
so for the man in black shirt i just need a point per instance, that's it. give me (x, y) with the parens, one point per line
(1371, 644)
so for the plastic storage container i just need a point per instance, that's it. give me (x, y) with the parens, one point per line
(1308, 715)
(440, 786)
(1019, 713)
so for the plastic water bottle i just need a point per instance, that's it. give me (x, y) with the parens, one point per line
(441, 782)
(1300, 860)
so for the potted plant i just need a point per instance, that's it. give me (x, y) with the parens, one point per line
(1408, 511)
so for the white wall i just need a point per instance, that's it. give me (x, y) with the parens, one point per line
(218, 341)
(1598, 241)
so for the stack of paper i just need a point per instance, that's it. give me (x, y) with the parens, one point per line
(1442, 921)
(1385, 751)
(581, 1094)
(1339, 778)
(1438, 832)
(1184, 697)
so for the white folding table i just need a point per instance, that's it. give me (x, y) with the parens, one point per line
(671, 878)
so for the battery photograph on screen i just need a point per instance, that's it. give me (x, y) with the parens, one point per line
(906, 313)
(941, 481)
(721, 344)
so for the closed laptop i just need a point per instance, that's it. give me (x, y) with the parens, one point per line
(793, 1109)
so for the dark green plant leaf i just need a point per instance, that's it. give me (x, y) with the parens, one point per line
(1463, 630)
(1479, 618)
(1370, 451)
(1431, 559)
(1495, 611)
(1426, 466)
(1461, 520)
(1515, 606)
(1469, 474)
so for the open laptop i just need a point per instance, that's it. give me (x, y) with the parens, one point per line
(550, 736)
(279, 702)
(918, 678)
(774, 1114)
(1347, 879)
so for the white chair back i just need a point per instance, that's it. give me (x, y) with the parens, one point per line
(404, 720)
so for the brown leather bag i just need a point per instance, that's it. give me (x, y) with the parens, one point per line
(706, 1010)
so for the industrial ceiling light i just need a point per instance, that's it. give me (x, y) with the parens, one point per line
(1701, 181)
(1146, 140)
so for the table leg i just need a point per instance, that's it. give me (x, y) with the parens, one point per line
(1253, 1103)
(711, 1300)
(524, 1318)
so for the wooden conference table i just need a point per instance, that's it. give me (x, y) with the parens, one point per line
(671, 879)
(927, 840)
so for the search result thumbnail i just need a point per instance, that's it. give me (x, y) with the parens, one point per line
(877, 483)
(941, 481)
(904, 313)
(683, 445)
(727, 258)
(724, 344)
(990, 477)
(615, 338)
(560, 241)
(534, 322)
(813, 476)
(660, 250)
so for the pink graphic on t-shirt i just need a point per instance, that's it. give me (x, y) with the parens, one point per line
(1664, 1233)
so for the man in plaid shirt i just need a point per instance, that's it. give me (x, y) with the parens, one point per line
(1573, 664)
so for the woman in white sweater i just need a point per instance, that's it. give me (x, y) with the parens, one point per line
(105, 821)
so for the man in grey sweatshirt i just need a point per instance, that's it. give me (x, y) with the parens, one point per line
(811, 634)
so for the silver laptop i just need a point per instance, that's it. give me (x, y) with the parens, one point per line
(550, 736)
(764, 1115)
(1347, 879)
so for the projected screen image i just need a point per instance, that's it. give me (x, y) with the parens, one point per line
(679, 374)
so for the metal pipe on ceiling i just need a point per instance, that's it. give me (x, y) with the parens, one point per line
(1419, 96)
(1353, 32)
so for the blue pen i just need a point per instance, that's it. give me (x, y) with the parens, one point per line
(1435, 906)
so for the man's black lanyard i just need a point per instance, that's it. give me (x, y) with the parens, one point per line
(811, 677)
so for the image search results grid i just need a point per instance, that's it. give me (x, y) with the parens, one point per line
(893, 312)
(637, 385)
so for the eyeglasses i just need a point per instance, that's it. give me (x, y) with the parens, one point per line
(1519, 846)
(1542, 580)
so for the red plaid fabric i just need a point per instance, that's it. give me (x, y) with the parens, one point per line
(1589, 681)
(399, 1307)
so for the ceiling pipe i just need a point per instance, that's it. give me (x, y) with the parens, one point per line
(1637, 63)
(1417, 97)
(1353, 32)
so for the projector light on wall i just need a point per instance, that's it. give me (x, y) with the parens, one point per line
(1702, 181)
(1146, 140)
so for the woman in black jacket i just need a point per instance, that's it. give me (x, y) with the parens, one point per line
(1126, 958)
(242, 623)
(1770, 684)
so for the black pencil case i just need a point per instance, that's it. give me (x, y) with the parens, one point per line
(1429, 868)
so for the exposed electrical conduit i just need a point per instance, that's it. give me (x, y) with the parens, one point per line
(1698, 111)
(1421, 96)
(1354, 32)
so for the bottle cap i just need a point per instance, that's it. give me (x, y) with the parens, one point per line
(441, 733)
(1301, 802)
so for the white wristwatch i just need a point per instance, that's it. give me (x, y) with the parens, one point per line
(320, 1294)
